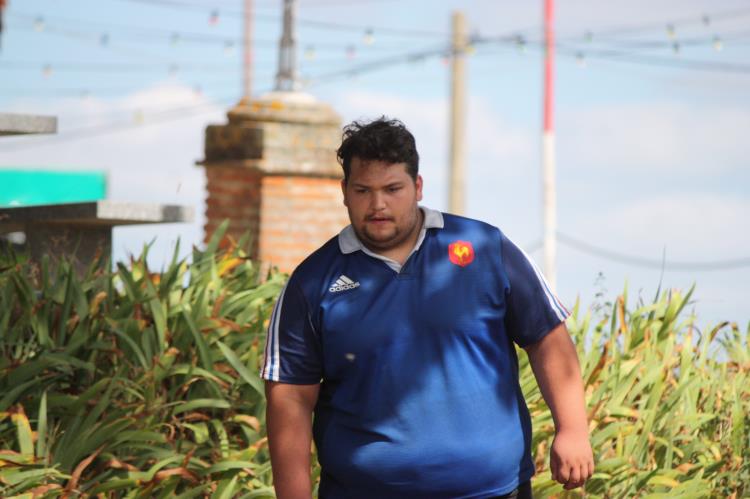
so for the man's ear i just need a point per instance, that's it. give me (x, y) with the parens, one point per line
(418, 187)
(343, 190)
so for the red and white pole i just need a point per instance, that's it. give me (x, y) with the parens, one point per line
(549, 194)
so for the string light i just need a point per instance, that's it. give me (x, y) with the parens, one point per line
(369, 37)
(228, 47)
(676, 48)
(104, 39)
(717, 43)
(213, 19)
(174, 39)
(39, 24)
(47, 71)
(706, 20)
(351, 52)
(520, 43)
(138, 117)
(581, 59)
(173, 69)
(588, 36)
(310, 52)
(670, 31)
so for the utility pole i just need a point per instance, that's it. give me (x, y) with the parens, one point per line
(549, 194)
(286, 77)
(247, 67)
(457, 114)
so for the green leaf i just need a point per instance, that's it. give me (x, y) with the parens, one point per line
(248, 376)
(201, 404)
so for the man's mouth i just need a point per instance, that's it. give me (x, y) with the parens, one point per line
(378, 219)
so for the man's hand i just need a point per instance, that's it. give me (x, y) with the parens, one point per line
(571, 459)
(555, 364)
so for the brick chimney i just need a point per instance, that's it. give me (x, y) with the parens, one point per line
(272, 172)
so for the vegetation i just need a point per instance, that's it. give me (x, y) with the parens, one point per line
(132, 383)
(138, 384)
(669, 405)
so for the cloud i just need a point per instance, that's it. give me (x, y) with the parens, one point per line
(153, 163)
(694, 227)
(655, 137)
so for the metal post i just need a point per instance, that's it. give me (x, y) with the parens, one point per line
(548, 151)
(457, 114)
(286, 77)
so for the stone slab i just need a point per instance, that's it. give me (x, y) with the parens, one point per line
(24, 124)
(93, 214)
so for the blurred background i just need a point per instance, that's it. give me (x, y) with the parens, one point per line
(651, 107)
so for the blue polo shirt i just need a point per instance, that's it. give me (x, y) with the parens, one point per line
(419, 393)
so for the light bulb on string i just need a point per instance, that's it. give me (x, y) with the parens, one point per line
(706, 20)
(369, 37)
(85, 94)
(174, 39)
(351, 52)
(198, 91)
(520, 43)
(676, 48)
(228, 47)
(39, 24)
(213, 19)
(581, 59)
(588, 37)
(104, 39)
(47, 71)
(310, 52)
(138, 117)
(173, 70)
(717, 43)
(670, 31)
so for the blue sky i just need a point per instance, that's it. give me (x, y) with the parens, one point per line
(651, 120)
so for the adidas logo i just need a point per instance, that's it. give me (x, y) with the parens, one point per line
(343, 283)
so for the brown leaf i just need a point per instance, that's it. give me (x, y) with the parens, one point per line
(73, 482)
(251, 421)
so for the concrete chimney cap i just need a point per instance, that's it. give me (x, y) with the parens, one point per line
(285, 107)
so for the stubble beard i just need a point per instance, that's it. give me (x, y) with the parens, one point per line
(390, 241)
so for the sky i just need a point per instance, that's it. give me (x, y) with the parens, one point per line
(651, 118)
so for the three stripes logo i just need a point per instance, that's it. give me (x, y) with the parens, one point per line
(343, 283)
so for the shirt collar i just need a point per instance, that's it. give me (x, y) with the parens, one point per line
(349, 242)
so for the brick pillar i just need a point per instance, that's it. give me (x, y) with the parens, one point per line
(272, 171)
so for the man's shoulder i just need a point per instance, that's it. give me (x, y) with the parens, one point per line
(317, 262)
(457, 224)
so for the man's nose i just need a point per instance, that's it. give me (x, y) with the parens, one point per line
(377, 201)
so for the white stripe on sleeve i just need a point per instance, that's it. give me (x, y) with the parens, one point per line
(559, 309)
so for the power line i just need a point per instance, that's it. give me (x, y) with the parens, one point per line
(651, 263)
(313, 23)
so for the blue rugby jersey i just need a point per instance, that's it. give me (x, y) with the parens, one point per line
(419, 389)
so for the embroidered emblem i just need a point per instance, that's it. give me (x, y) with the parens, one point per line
(461, 253)
(343, 283)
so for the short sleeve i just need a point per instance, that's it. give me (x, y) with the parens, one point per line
(532, 310)
(292, 353)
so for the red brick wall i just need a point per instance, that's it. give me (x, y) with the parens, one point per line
(297, 215)
(288, 217)
(233, 193)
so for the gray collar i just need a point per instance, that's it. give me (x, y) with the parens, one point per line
(349, 242)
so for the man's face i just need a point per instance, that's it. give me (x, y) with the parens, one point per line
(382, 202)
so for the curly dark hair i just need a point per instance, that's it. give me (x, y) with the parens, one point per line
(382, 139)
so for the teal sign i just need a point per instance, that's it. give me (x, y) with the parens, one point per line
(35, 187)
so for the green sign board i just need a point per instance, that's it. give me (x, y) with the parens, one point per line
(35, 187)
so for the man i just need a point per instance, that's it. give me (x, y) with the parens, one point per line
(398, 335)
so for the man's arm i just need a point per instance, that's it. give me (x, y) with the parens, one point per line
(289, 422)
(555, 364)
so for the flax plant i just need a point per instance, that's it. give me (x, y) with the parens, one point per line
(669, 404)
(135, 384)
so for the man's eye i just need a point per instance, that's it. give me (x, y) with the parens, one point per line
(360, 191)
(394, 189)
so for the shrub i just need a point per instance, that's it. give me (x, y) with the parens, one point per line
(133, 383)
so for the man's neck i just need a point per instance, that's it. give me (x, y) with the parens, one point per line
(402, 252)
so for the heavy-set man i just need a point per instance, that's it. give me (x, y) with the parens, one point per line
(398, 336)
